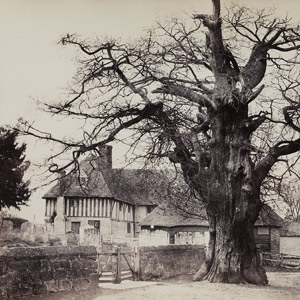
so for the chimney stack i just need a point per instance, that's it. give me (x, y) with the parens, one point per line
(105, 156)
(62, 181)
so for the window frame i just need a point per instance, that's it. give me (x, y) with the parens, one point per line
(128, 227)
(263, 230)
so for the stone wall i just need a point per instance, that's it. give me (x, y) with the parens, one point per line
(37, 270)
(169, 261)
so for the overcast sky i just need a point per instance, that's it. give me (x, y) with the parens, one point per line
(33, 66)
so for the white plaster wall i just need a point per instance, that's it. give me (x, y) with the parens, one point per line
(162, 237)
(119, 229)
(140, 213)
(290, 245)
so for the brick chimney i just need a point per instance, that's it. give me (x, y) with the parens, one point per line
(105, 156)
(62, 181)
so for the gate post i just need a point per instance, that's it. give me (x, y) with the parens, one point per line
(259, 255)
(117, 278)
(136, 260)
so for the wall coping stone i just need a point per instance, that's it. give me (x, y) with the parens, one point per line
(170, 247)
(47, 251)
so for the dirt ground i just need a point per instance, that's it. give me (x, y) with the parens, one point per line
(282, 286)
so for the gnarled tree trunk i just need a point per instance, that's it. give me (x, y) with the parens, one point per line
(232, 256)
(234, 204)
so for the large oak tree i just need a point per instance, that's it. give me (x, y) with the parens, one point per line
(193, 93)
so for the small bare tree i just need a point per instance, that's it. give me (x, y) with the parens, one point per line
(193, 93)
(289, 199)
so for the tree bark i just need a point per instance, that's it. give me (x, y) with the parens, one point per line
(233, 204)
(232, 256)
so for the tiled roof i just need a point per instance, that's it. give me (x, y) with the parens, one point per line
(139, 187)
(166, 215)
(268, 217)
(73, 186)
(290, 228)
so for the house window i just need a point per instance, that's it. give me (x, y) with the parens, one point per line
(75, 227)
(128, 227)
(172, 239)
(263, 230)
(128, 209)
(50, 207)
(95, 224)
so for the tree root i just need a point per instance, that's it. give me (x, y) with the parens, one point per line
(253, 275)
(202, 272)
(256, 276)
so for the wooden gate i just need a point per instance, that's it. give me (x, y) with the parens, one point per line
(115, 266)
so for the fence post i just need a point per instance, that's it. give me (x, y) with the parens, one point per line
(101, 242)
(136, 260)
(98, 261)
(281, 260)
(118, 267)
(260, 256)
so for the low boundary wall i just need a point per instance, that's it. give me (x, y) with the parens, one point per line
(29, 271)
(169, 261)
(37, 270)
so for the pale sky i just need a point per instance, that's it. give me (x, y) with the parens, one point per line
(33, 66)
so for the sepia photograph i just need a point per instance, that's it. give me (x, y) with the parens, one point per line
(149, 149)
